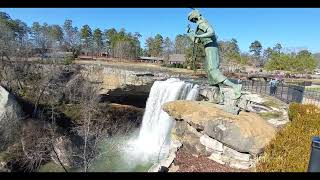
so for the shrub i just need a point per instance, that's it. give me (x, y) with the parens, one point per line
(290, 150)
(68, 59)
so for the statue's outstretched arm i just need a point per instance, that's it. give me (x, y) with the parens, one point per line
(207, 34)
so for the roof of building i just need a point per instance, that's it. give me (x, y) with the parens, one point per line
(177, 57)
(151, 58)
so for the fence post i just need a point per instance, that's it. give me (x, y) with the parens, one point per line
(252, 82)
(288, 93)
(265, 89)
(281, 91)
(260, 87)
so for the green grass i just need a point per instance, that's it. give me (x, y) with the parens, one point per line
(317, 89)
(270, 115)
(72, 111)
(51, 167)
(272, 103)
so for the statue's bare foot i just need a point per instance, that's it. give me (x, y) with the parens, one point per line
(237, 91)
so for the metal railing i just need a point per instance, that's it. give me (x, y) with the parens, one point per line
(285, 92)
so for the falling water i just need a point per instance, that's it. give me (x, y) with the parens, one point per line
(152, 142)
(154, 136)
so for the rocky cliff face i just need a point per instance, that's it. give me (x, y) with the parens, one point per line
(119, 77)
(10, 113)
(206, 129)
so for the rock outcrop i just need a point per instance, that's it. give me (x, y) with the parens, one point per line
(10, 113)
(246, 132)
(274, 111)
(204, 128)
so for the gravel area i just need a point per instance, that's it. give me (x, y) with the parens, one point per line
(190, 163)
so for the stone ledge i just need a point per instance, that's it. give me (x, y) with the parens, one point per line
(251, 102)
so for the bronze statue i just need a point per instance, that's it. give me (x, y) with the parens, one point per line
(205, 34)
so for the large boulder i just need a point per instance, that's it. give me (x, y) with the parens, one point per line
(246, 132)
(10, 116)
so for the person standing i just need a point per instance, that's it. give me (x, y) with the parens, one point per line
(273, 86)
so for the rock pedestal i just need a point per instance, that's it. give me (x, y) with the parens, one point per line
(206, 129)
(269, 108)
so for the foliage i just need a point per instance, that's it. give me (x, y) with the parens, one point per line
(302, 62)
(269, 115)
(122, 44)
(182, 44)
(71, 38)
(51, 167)
(175, 65)
(168, 48)
(13, 36)
(255, 48)
(68, 60)
(196, 59)
(87, 38)
(155, 46)
(229, 51)
(289, 151)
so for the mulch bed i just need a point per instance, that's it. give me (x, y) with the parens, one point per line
(190, 163)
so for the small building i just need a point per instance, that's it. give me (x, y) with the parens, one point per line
(177, 58)
(151, 59)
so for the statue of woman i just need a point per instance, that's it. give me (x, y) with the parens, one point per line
(205, 34)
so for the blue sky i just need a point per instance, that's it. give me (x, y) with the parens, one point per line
(292, 27)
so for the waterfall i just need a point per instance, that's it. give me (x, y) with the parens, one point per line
(154, 137)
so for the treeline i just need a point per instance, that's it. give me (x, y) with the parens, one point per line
(302, 62)
(19, 40)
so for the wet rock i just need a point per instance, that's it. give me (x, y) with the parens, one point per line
(10, 116)
(165, 164)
